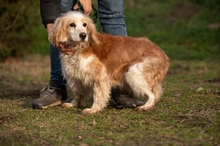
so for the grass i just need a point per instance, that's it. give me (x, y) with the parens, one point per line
(187, 114)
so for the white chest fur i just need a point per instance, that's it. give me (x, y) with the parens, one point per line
(77, 67)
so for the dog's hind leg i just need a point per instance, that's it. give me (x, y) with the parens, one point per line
(154, 95)
(140, 86)
(158, 91)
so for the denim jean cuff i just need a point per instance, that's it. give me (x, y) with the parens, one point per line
(54, 83)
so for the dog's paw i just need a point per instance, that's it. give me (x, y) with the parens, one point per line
(67, 105)
(89, 111)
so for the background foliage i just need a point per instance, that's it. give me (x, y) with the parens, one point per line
(184, 29)
(18, 18)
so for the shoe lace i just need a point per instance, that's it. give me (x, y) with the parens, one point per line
(47, 91)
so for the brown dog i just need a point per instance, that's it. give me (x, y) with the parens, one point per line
(101, 62)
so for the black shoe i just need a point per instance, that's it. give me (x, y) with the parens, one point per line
(124, 101)
(50, 96)
(124, 98)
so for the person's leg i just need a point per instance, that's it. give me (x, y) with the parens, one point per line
(56, 78)
(111, 16)
(55, 92)
(67, 5)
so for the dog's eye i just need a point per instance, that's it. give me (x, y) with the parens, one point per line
(84, 24)
(72, 25)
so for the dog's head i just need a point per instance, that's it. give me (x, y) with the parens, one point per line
(73, 28)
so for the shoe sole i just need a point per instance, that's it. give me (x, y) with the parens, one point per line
(44, 107)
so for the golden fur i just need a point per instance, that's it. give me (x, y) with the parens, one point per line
(101, 62)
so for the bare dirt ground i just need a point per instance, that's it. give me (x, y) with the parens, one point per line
(24, 77)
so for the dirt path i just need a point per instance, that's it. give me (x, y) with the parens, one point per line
(26, 76)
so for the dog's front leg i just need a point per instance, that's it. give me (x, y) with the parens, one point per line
(79, 93)
(101, 94)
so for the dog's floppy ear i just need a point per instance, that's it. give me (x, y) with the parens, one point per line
(92, 31)
(58, 32)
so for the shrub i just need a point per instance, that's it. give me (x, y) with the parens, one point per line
(17, 17)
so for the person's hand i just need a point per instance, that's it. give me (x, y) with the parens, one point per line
(66, 50)
(87, 5)
(49, 26)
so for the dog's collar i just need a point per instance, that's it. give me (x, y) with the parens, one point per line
(67, 49)
(71, 51)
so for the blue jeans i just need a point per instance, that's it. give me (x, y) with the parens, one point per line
(111, 16)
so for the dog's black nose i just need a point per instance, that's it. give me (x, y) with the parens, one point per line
(82, 35)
